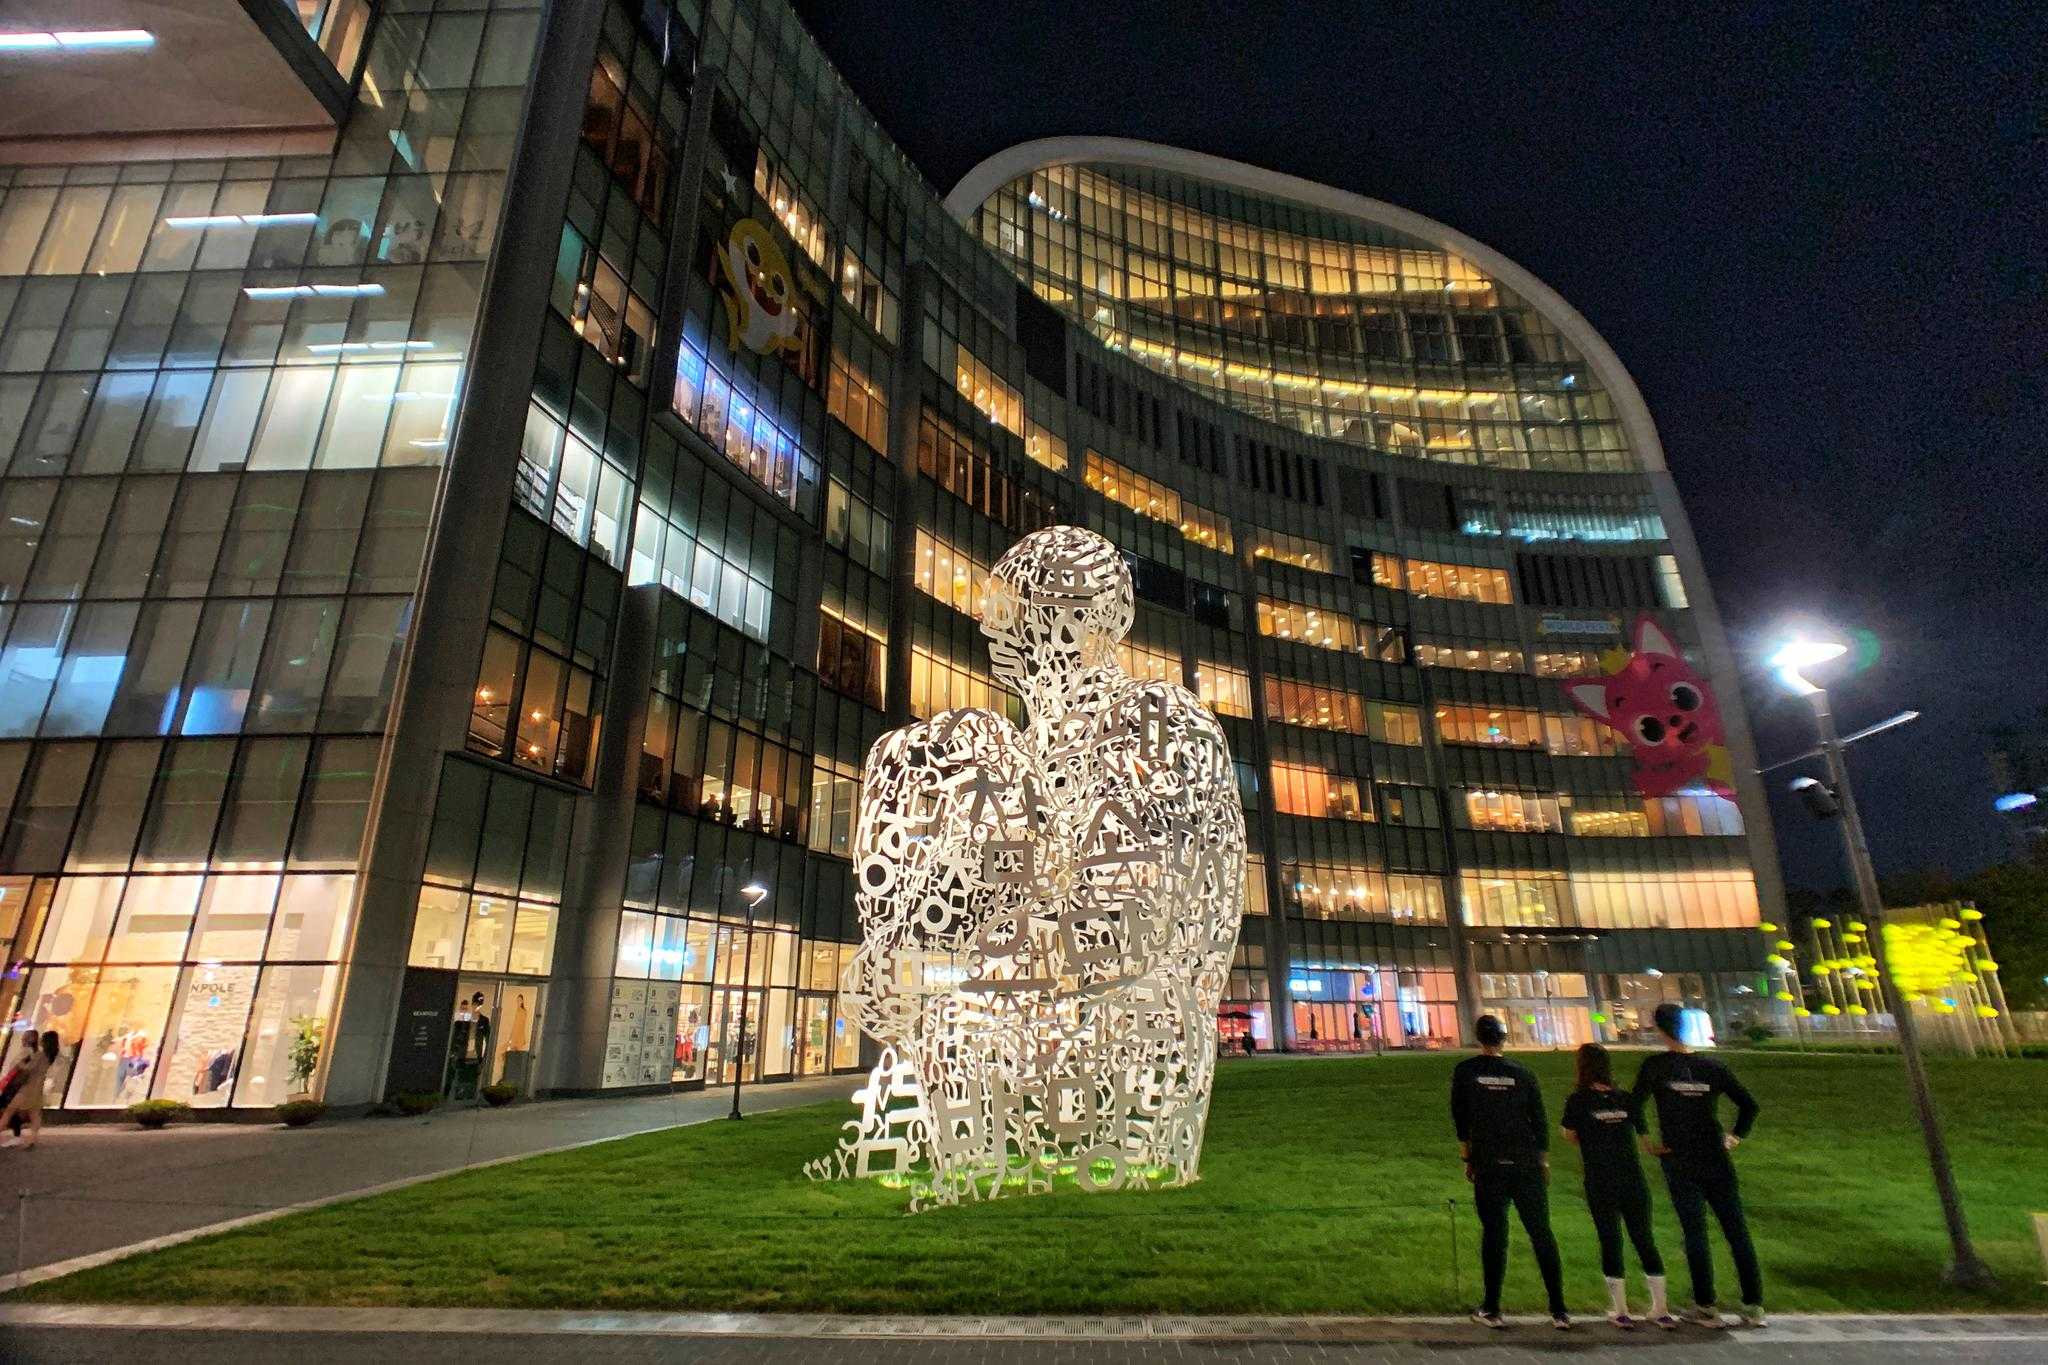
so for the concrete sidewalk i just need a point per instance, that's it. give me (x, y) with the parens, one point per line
(93, 1188)
(138, 1334)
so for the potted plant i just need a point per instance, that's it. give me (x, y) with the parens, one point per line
(154, 1114)
(415, 1102)
(305, 1053)
(299, 1113)
(499, 1095)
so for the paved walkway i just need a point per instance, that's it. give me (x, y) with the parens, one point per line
(93, 1188)
(138, 1335)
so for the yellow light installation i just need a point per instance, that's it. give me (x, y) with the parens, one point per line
(1941, 962)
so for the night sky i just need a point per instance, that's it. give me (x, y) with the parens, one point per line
(1815, 238)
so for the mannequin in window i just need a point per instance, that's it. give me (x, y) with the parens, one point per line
(480, 1035)
(522, 1027)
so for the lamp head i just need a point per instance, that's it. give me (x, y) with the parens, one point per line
(1790, 660)
(754, 892)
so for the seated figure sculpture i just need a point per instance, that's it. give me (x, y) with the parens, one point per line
(1048, 913)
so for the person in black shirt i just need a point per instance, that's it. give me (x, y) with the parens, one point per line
(1498, 1112)
(1687, 1089)
(1604, 1123)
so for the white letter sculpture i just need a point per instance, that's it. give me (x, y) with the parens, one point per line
(1047, 914)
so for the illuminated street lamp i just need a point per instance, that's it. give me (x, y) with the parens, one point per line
(755, 894)
(1966, 1270)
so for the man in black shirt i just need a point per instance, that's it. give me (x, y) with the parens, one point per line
(1498, 1112)
(1687, 1089)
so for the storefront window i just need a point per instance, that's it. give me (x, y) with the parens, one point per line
(292, 1003)
(204, 1039)
(121, 1036)
(437, 928)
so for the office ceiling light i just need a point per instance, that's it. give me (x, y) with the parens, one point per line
(77, 40)
(367, 347)
(313, 291)
(228, 220)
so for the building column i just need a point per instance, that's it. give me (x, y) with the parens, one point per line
(906, 391)
(577, 1023)
(1279, 956)
(437, 670)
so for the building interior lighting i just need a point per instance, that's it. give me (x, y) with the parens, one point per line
(313, 291)
(255, 220)
(367, 347)
(77, 40)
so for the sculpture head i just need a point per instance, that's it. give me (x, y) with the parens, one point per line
(1059, 602)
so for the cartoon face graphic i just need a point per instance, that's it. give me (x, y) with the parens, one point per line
(758, 289)
(1667, 713)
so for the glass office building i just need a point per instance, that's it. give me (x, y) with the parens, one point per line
(476, 477)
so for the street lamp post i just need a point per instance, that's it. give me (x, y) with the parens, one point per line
(755, 893)
(1966, 1269)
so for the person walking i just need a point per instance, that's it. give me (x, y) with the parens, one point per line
(1603, 1123)
(1497, 1109)
(1694, 1152)
(35, 1072)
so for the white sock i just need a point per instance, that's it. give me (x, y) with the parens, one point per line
(1658, 1308)
(1617, 1296)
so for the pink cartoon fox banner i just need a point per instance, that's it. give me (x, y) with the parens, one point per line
(1665, 710)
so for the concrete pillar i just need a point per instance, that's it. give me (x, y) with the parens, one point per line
(430, 708)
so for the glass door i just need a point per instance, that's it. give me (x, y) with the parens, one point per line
(813, 1035)
(735, 1046)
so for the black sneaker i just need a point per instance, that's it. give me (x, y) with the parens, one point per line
(1486, 1317)
(1561, 1321)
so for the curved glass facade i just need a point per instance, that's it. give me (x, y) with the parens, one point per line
(488, 704)
(1320, 322)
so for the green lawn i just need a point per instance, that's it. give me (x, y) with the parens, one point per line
(1325, 1191)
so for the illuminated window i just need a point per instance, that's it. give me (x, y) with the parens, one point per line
(1143, 661)
(1465, 582)
(1514, 812)
(1391, 723)
(1331, 891)
(1225, 690)
(1313, 555)
(792, 208)
(1044, 447)
(1714, 899)
(1303, 789)
(1322, 708)
(1669, 584)
(1564, 663)
(951, 575)
(1306, 625)
(864, 292)
(741, 429)
(1128, 488)
(1484, 657)
(1206, 528)
(938, 684)
(856, 400)
(1691, 814)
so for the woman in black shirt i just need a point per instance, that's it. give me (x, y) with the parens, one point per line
(1604, 1123)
